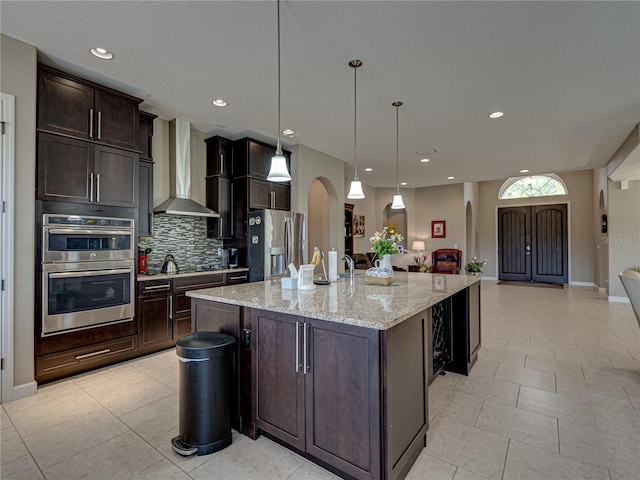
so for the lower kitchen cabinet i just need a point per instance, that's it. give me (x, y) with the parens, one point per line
(182, 303)
(155, 319)
(317, 387)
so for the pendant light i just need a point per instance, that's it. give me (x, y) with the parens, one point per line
(397, 204)
(355, 191)
(278, 171)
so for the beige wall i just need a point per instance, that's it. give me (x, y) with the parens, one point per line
(308, 164)
(624, 232)
(581, 241)
(18, 77)
(444, 202)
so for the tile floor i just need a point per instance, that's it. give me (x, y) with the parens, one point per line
(555, 395)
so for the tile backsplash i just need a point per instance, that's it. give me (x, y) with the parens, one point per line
(185, 237)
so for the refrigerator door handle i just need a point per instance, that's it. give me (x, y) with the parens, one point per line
(287, 233)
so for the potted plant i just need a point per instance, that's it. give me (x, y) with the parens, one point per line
(384, 244)
(630, 279)
(474, 267)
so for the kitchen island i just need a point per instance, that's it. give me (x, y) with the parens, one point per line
(340, 373)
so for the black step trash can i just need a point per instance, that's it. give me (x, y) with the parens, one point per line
(205, 383)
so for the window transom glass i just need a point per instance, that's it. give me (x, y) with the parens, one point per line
(542, 185)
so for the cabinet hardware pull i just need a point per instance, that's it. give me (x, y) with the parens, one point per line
(99, 124)
(222, 163)
(242, 277)
(158, 287)
(92, 354)
(90, 273)
(304, 346)
(170, 307)
(97, 187)
(297, 347)
(91, 187)
(231, 215)
(91, 123)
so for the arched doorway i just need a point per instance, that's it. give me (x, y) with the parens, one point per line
(471, 248)
(602, 264)
(399, 217)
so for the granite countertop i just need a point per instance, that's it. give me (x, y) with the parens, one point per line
(349, 301)
(163, 276)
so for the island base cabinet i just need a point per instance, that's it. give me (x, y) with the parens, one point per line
(316, 387)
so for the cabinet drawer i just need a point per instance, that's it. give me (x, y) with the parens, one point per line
(195, 283)
(153, 287)
(87, 357)
(239, 277)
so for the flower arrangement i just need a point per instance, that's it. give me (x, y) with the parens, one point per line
(387, 242)
(475, 266)
(423, 262)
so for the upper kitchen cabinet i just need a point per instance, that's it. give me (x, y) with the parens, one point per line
(145, 175)
(253, 158)
(71, 106)
(83, 172)
(219, 156)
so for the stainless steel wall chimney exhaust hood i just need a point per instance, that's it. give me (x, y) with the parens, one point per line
(179, 202)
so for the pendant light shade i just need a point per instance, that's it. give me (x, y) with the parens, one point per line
(397, 204)
(278, 171)
(355, 191)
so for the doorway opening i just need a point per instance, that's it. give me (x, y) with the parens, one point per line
(533, 244)
(399, 217)
(322, 207)
(471, 246)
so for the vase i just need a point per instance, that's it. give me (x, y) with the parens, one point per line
(382, 273)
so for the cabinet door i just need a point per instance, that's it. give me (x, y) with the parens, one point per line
(259, 159)
(116, 177)
(259, 194)
(278, 388)
(116, 120)
(219, 156)
(65, 166)
(342, 395)
(145, 135)
(65, 106)
(279, 196)
(145, 199)
(154, 321)
(219, 193)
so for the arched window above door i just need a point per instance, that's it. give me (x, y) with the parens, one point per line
(542, 185)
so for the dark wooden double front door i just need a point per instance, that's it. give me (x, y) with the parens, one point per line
(532, 244)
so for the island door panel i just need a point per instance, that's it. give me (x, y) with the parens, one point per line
(342, 395)
(278, 387)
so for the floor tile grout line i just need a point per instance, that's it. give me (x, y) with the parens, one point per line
(506, 455)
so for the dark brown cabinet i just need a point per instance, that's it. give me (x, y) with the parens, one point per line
(182, 303)
(271, 195)
(219, 198)
(78, 171)
(71, 106)
(252, 158)
(145, 175)
(317, 388)
(219, 156)
(465, 322)
(155, 322)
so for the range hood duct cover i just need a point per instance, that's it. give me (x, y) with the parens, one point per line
(179, 202)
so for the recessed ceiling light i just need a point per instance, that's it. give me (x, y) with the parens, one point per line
(403, 183)
(524, 171)
(368, 169)
(424, 160)
(288, 131)
(450, 178)
(496, 114)
(218, 102)
(102, 53)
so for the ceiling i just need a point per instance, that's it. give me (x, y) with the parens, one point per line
(566, 74)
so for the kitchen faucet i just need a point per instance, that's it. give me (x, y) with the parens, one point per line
(349, 261)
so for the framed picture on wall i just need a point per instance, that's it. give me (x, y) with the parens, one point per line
(438, 229)
(358, 225)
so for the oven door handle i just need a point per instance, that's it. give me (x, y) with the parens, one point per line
(72, 231)
(91, 273)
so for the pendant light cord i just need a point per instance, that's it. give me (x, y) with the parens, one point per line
(355, 117)
(397, 142)
(279, 147)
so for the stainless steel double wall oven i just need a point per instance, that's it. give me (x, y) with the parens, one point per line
(88, 272)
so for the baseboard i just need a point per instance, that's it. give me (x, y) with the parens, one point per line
(583, 284)
(24, 390)
(619, 299)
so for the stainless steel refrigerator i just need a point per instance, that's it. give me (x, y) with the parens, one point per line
(276, 238)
